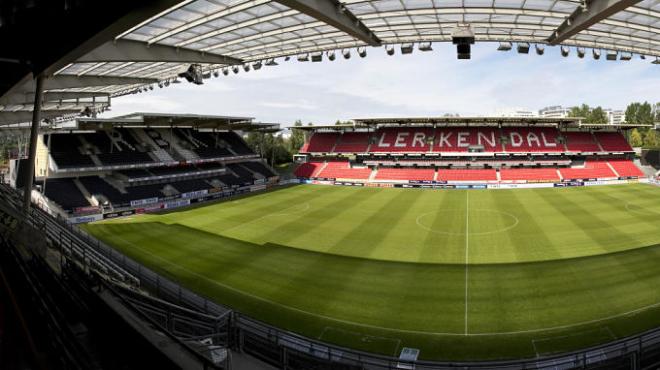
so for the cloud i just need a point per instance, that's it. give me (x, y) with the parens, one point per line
(420, 84)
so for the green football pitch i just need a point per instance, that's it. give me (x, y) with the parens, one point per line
(461, 275)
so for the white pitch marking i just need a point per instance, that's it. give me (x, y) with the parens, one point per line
(467, 246)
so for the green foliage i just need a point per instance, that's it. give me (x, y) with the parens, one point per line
(651, 139)
(641, 113)
(276, 148)
(635, 138)
(590, 115)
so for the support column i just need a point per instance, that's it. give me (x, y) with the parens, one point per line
(34, 134)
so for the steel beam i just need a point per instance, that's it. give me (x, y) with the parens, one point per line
(72, 81)
(592, 12)
(136, 51)
(334, 13)
(7, 118)
(51, 96)
(34, 134)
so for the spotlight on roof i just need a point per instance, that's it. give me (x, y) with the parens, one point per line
(565, 50)
(523, 48)
(625, 56)
(287, 58)
(540, 49)
(151, 87)
(362, 51)
(407, 48)
(596, 54)
(216, 73)
(160, 84)
(225, 71)
(331, 55)
(257, 65)
(642, 56)
(611, 55)
(317, 57)
(581, 52)
(193, 74)
(246, 67)
(656, 61)
(389, 49)
(425, 46)
(303, 58)
(463, 36)
(271, 62)
(235, 69)
(504, 46)
(346, 53)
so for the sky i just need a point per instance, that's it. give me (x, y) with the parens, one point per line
(414, 85)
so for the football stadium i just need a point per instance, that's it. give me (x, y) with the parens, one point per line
(179, 241)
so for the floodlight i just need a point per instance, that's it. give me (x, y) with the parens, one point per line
(331, 55)
(317, 57)
(407, 48)
(193, 74)
(362, 51)
(287, 58)
(303, 58)
(642, 56)
(216, 73)
(225, 71)
(389, 49)
(523, 48)
(540, 49)
(167, 83)
(151, 87)
(271, 62)
(256, 65)
(346, 53)
(581, 52)
(611, 55)
(246, 67)
(425, 46)
(160, 84)
(565, 50)
(234, 69)
(625, 56)
(596, 53)
(504, 46)
(463, 36)
(656, 61)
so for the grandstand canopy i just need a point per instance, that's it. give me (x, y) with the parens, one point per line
(366, 123)
(176, 120)
(152, 43)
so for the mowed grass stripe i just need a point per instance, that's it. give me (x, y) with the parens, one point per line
(386, 299)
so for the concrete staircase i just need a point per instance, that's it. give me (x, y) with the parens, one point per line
(161, 154)
(186, 154)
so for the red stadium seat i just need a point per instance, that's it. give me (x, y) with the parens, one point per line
(467, 175)
(530, 140)
(402, 140)
(353, 142)
(342, 170)
(308, 169)
(591, 170)
(422, 174)
(613, 142)
(581, 142)
(320, 143)
(625, 168)
(539, 174)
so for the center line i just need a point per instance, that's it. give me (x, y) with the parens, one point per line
(467, 246)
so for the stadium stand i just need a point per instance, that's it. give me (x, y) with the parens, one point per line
(625, 168)
(531, 140)
(467, 175)
(320, 143)
(419, 174)
(613, 142)
(402, 140)
(65, 193)
(342, 170)
(591, 169)
(353, 142)
(532, 174)
(309, 169)
(581, 142)
(65, 151)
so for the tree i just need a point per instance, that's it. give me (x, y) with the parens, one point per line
(651, 139)
(631, 113)
(635, 138)
(297, 138)
(596, 115)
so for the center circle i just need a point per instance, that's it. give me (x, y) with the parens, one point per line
(507, 221)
